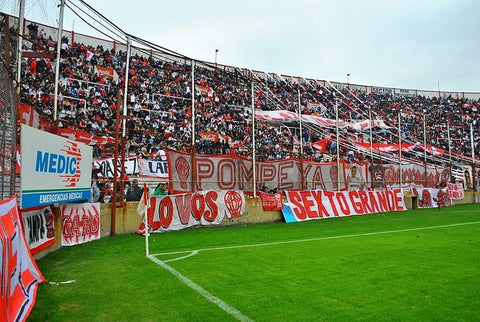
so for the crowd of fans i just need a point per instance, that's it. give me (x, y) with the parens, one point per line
(160, 107)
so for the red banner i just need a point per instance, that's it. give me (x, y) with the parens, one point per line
(271, 201)
(20, 275)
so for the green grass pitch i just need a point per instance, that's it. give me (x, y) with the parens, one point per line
(421, 265)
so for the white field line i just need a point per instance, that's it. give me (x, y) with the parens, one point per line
(213, 299)
(320, 238)
(195, 252)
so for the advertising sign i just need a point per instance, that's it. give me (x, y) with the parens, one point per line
(54, 169)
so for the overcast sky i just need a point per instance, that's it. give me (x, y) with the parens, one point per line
(418, 44)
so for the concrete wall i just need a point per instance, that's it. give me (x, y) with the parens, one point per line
(128, 221)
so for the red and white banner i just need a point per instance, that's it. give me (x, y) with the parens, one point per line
(175, 212)
(80, 222)
(271, 201)
(38, 225)
(30, 117)
(209, 136)
(455, 191)
(85, 137)
(106, 72)
(318, 204)
(205, 90)
(20, 275)
(283, 116)
(431, 198)
(387, 175)
(154, 168)
(228, 172)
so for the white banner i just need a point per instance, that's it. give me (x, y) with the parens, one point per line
(455, 191)
(431, 198)
(153, 168)
(38, 224)
(387, 175)
(175, 212)
(80, 222)
(54, 169)
(227, 172)
(318, 204)
(107, 165)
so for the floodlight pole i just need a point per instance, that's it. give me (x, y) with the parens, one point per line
(57, 65)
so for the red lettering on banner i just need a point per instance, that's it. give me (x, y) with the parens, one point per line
(357, 206)
(166, 212)
(198, 206)
(382, 200)
(80, 223)
(391, 200)
(298, 209)
(318, 179)
(398, 199)
(364, 199)
(226, 174)
(245, 174)
(329, 195)
(317, 195)
(342, 202)
(205, 170)
(308, 204)
(211, 213)
(267, 172)
(373, 202)
(283, 175)
(155, 224)
(184, 207)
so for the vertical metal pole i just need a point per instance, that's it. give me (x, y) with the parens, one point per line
(400, 147)
(21, 20)
(371, 145)
(425, 146)
(474, 181)
(302, 174)
(254, 147)
(449, 149)
(194, 173)
(57, 66)
(338, 144)
(125, 92)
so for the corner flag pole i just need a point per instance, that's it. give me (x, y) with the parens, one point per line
(145, 218)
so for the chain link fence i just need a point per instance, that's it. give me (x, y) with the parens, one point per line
(9, 170)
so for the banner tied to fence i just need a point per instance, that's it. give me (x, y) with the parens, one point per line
(175, 212)
(20, 275)
(80, 222)
(38, 224)
(318, 204)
